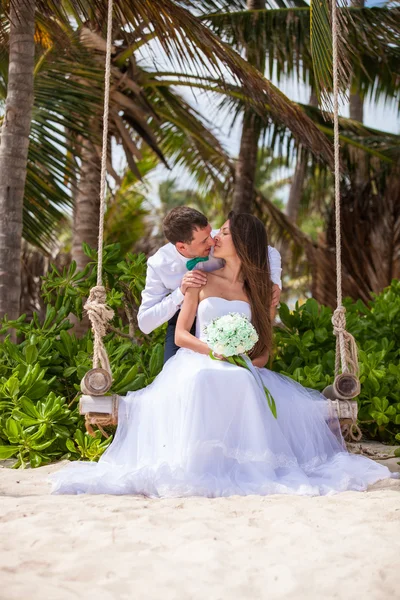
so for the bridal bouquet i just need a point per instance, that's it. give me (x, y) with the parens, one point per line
(233, 336)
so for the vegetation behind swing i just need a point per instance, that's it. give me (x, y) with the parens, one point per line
(40, 375)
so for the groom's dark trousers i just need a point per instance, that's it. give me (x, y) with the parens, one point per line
(170, 348)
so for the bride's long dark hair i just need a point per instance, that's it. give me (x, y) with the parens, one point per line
(251, 244)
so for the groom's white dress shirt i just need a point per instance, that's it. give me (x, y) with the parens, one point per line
(162, 296)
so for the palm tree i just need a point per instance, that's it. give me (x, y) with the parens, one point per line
(370, 220)
(14, 151)
(246, 165)
(282, 32)
(180, 33)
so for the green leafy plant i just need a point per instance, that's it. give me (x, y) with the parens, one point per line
(87, 447)
(305, 351)
(40, 375)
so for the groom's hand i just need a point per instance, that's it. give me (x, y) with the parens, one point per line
(194, 279)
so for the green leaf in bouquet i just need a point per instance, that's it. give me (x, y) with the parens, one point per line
(296, 362)
(70, 445)
(49, 317)
(82, 370)
(68, 344)
(28, 408)
(35, 459)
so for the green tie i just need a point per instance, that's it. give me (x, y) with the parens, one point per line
(190, 265)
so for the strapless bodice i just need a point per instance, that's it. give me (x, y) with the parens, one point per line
(213, 307)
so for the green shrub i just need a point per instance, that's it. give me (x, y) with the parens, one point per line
(40, 375)
(305, 351)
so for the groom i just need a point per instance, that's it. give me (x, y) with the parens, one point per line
(181, 264)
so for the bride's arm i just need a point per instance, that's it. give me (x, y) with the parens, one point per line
(183, 337)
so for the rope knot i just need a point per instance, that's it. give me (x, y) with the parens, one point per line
(98, 294)
(346, 348)
(339, 320)
(99, 315)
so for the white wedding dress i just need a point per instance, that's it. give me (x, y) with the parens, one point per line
(203, 428)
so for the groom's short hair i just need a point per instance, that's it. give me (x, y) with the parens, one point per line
(181, 222)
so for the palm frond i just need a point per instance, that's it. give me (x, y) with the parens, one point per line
(321, 38)
(374, 143)
(61, 108)
(187, 139)
(373, 43)
(156, 115)
(62, 105)
(187, 41)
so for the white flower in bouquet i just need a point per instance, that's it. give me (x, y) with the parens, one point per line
(233, 336)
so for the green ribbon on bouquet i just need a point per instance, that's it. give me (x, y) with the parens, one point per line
(243, 361)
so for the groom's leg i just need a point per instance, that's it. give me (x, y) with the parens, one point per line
(170, 348)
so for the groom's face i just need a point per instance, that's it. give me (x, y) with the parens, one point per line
(200, 245)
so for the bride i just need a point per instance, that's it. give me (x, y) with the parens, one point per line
(203, 427)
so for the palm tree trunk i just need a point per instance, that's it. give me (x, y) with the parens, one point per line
(14, 144)
(356, 102)
(87, 205)
(86, 217)
(296, 189)
(246, 166)
(357, 113)
(356, 107)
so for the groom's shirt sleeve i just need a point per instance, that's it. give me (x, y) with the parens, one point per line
(159, 304)
(275, 265)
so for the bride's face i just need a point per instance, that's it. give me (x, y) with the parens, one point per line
(224, 247)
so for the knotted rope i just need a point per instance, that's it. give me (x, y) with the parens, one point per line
(346, 348)
(97, 310)
(99, 315)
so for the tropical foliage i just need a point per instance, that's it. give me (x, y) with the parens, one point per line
(146, 107)
(305, 351)
(40, 376)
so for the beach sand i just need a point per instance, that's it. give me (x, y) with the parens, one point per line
(126, 547)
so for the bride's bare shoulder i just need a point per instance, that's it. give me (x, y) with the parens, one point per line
(218, 274)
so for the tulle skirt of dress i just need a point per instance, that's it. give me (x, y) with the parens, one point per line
(203, 428)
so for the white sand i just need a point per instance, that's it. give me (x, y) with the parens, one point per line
(125, 547)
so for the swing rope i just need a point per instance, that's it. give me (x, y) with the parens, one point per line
(97, 310)
(346, 356)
